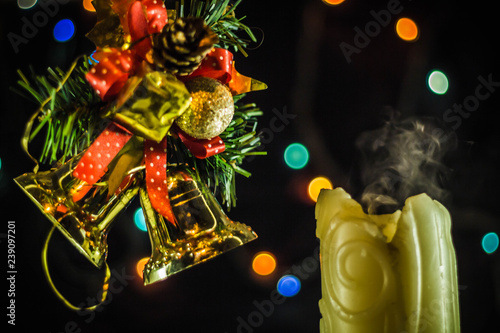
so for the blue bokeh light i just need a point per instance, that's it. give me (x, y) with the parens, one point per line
(289, 285)
(64, 30)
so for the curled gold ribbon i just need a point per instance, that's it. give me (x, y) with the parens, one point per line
(54, 289)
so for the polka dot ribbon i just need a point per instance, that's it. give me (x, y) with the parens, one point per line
(112, 72)
(155, 158)
(94, 163)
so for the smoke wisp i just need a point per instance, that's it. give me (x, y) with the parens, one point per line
(402, 159)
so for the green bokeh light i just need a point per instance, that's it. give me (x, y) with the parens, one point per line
(438, 82)
(26, 4)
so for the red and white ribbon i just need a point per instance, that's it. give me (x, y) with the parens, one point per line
(155, 159)
(94, 163)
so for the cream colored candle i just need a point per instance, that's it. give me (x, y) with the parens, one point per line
(393, 273)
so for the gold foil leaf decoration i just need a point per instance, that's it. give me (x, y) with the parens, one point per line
(149, 106)
(241, 84)
(108, 31)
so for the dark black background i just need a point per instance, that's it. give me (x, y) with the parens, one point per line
(334, 101)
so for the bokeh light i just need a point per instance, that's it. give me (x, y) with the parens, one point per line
(87, 4)
(490, 242)
(333, 2)
(437, 82)
(407, 29)
(264, 263)
(316, 185)
(296, 156)
(64, 30)
(289, 285)
(26, 4)
(93, 60)
(140, 221)
(139, 267)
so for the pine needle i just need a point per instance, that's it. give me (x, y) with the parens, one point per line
(219, 15)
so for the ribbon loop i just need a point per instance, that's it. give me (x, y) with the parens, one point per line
(110, 74)
(156, 15)
(145, 17)
(217, 64)
(202, 148)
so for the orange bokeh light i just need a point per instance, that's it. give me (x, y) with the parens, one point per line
(407, 29)
(333, 2)
(140, 266)
(264, 263)
(87, 4)
(316, 185)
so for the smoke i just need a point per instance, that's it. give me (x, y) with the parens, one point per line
(402, 159)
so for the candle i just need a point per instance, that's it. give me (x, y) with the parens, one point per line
(386, 273)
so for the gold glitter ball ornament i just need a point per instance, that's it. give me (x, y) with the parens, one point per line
(211, 109)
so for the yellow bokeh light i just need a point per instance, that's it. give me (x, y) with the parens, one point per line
(87, 4)
(316, 185)
(264, 263)
(140, 266)
(333, 2)
(47, 208)
(407, 29)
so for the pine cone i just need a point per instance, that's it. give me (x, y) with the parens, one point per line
(182, 45)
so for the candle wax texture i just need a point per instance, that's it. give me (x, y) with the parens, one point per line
(390, 273)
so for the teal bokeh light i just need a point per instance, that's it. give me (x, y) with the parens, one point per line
(296, 156)
(139, 220)
(490, 242)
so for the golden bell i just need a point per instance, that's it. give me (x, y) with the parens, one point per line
(201, 230)
(82, 212)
